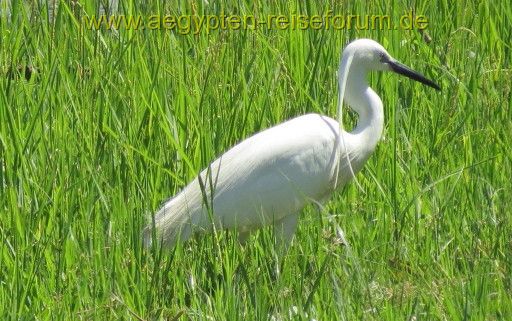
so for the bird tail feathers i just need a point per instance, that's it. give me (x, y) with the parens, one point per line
(175, 221)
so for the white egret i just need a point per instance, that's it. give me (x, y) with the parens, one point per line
(269, 177)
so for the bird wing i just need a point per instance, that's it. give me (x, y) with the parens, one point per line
(273, 173)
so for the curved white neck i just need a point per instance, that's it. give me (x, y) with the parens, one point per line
(367, 104)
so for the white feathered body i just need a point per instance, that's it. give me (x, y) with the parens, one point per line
(264, 178)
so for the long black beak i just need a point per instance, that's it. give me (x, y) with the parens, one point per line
(402, 69)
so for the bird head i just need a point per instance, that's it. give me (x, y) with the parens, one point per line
(370, 55)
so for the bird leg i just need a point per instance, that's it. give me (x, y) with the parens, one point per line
(284, 229)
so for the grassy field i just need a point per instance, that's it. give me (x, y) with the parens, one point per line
(97, 128)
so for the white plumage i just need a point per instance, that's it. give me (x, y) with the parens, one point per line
(269, 177)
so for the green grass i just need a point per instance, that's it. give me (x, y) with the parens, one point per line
(113, 123)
